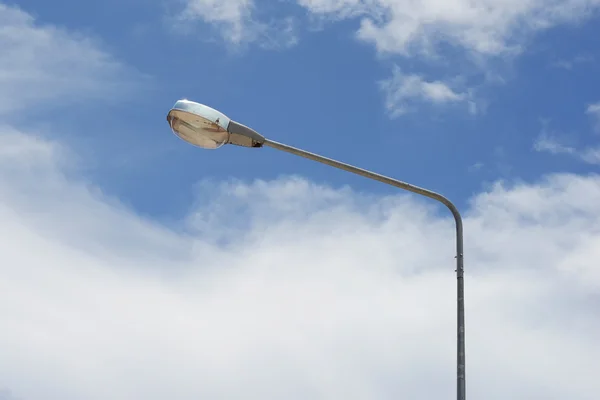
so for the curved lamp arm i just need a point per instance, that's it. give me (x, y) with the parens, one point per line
(461, 386)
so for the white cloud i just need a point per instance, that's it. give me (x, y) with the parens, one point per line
(546, 143)
(487, 27)
(591, 155)
(317, 292)
(486, 33)
(476, 167)
(233, 15)
(594, 111)
(41, 62)
(403, 91)
(569, 64)
(237, 24)
(552, 145)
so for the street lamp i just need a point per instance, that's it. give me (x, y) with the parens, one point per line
(208, 128)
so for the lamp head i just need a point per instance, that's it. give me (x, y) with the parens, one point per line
(208, 128)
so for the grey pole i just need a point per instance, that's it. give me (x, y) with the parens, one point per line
(460, 298)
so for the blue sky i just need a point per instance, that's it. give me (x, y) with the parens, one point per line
(323, 89)
(494, 103)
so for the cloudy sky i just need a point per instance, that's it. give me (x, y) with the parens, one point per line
(134, 266)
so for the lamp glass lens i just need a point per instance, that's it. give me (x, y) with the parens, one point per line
(198, 124)
(197, 130)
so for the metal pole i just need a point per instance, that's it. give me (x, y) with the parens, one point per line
(460, 298)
